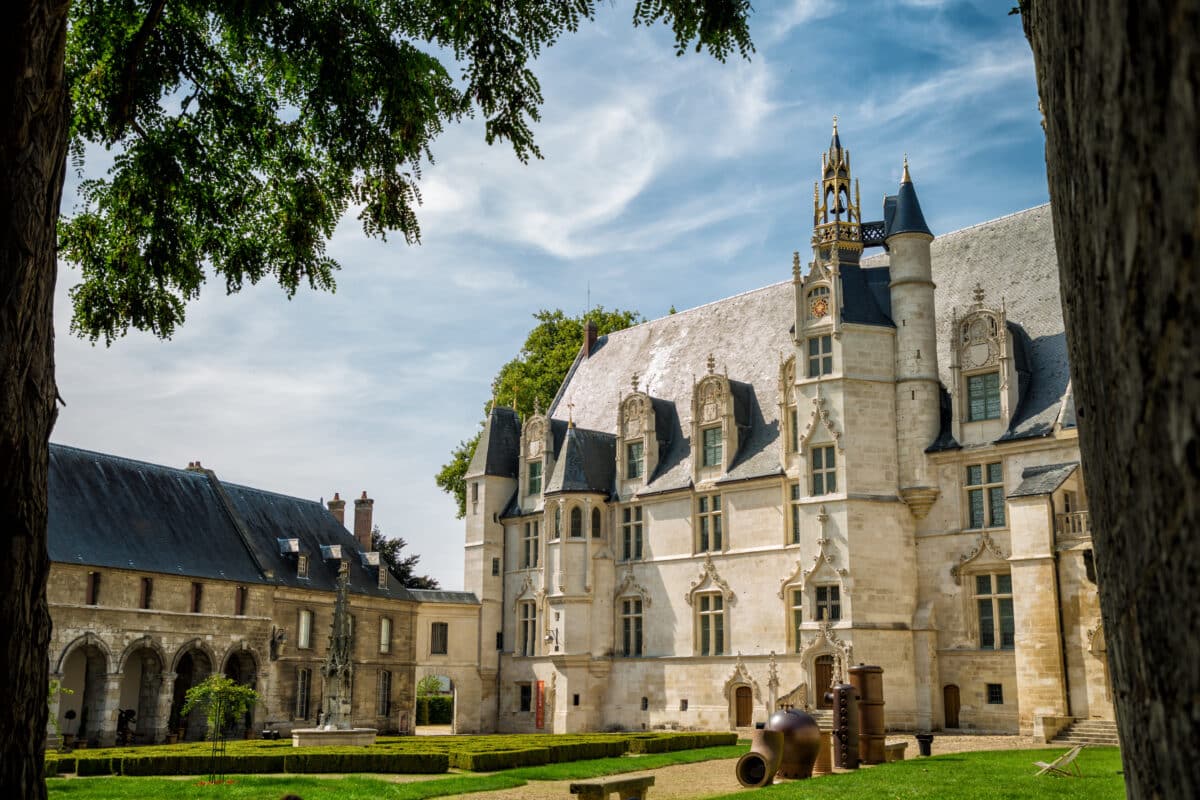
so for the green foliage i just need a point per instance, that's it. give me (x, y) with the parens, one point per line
(242, 132)
(430, 684)
(350, 787)
(55, 689)
(532, 379)
(403, 569)
(222, 699)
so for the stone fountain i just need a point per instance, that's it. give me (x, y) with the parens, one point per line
(338, 673)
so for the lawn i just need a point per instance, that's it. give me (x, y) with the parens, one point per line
(994, 775)
(359, 787)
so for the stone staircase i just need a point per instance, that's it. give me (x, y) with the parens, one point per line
(824, 718)
(1088, 731)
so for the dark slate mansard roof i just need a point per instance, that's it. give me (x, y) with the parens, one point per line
(1012, 258)
(108, 511)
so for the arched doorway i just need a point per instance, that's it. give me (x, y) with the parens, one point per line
(81, 713)
(242, 668)
(141, 681)
(436, 702)
(822, 680)
(743, 702)
(190, 669)
(950, 701)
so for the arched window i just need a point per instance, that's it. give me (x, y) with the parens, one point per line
(576, 523)
(596, 523)
(557, 522)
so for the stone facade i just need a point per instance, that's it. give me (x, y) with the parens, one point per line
(724, 509)
(160, 577)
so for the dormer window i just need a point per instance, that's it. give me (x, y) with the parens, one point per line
(535, 477)
(635, 460)
(712, 447)
(820, 356)
(818, 302)
(983, 397)
(302, 566)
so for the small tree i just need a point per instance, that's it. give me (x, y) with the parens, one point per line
(430, 684)
(222, 699)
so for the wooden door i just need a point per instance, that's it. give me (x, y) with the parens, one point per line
(744, 703)
(823, 679)
(950, 699)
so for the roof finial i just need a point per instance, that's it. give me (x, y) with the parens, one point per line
(835, 124)
(978, 294)
(906, 178)
(570, 415)
(796, 264)
(712, 364)
(634, 381)
(537, 405)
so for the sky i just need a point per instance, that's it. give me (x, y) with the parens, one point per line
(666, 181)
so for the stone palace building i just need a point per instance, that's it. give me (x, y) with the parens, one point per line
(873, 461)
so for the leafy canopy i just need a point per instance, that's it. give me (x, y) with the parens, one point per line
(244, 130)
(531, 380)
(403, 568)
(222, 699)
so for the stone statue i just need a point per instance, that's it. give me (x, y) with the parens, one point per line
(338, 670)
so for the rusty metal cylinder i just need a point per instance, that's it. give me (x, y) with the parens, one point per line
(801, 741)
(824, 763)
(758, 767)
(844, 698)
(868, 680)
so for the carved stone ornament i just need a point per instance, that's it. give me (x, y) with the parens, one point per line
(535, 448)
(979, 340)
(630, 586)
(820, 413)
(773, 674)
(741, 677)
(794, 578)
(826, 641)
(983, 544)
(709, 577)
(634, 413)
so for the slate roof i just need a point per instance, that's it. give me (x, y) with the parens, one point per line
(904, 214)
(1043, 479)
(109, 511)
(1011, 258)
(585, 463)
(1014, 261)
(497, 451)
(444, 596)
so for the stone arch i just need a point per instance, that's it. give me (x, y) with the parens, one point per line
(820, 417)
(193, 662)
(740, 677)
(575, 528)
(708, 580)
(87, 639)
(825, 643)
(985, 551)
(242, 665)
(146, 642)
(247, 654)
(597, 523)
(190, 646)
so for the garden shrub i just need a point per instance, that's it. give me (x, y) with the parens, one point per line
(440, 709)
(422, 717)
(494, 760)
(96, 765)
(364, 760)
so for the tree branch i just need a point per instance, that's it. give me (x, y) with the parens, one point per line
(122, 113)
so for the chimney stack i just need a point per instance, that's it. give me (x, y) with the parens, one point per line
(363, 509)
(337, 507)
(589, 338)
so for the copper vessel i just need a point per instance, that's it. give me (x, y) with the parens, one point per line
(758, 767)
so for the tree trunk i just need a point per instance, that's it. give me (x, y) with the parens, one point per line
(1120, 90)
(33, 148)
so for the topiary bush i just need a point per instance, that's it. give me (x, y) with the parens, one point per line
(440, 709)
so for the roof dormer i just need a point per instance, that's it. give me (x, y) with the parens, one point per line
(984, 366)
(639, 440)
(715, 431)
(536, 460)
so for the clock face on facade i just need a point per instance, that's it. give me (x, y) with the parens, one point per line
(819, 306)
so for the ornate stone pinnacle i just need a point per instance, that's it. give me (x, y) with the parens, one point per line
(835, 123)
(978, 294)
(570, 415)
(712, 364)
(795, 263)
(537, 405)
(634, 381)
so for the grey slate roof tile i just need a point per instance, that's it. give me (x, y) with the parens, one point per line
(1043, 479)
(585, 463)
(108, 511)
(496, 453)
(444, 596)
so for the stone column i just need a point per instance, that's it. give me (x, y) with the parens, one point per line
(1041, 689)
(110, 706)
(166, 695)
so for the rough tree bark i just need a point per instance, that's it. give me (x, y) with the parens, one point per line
(33, 149)
(1120, 89)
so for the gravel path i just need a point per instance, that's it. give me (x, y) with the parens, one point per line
(715, 778)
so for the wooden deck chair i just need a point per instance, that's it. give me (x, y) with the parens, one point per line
(1063, 765)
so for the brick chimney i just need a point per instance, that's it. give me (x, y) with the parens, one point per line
(363, 509)
(589, 338)
(337, 507)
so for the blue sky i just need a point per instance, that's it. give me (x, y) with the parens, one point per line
(666, 181)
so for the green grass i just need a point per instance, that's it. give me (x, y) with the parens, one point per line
(357, 787)
(245, 787)
(994, 775)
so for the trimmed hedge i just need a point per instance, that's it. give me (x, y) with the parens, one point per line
(582, 751)
(670, 742)
(95, 765)
(196, 764)
(496, 760)
(362, 760)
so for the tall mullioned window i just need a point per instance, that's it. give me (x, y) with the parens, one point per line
(635, 460)
(983, 397)
(820, 356)
(631, 626)
(535, 477)
(385, 635)
(528, 630)
(993, 599)
(576, 523)
(304, 629)
(556, 529)
(93, 589)
(793, 430)
(529, 545)
(712, 447)
(631, 533)
(597, 524)
(711, 613)
(824, 470)
(303, 692)
(708, 523)
(385, 693)
(985, 495)
(439, 638)
(794, 508)
(797, 618)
